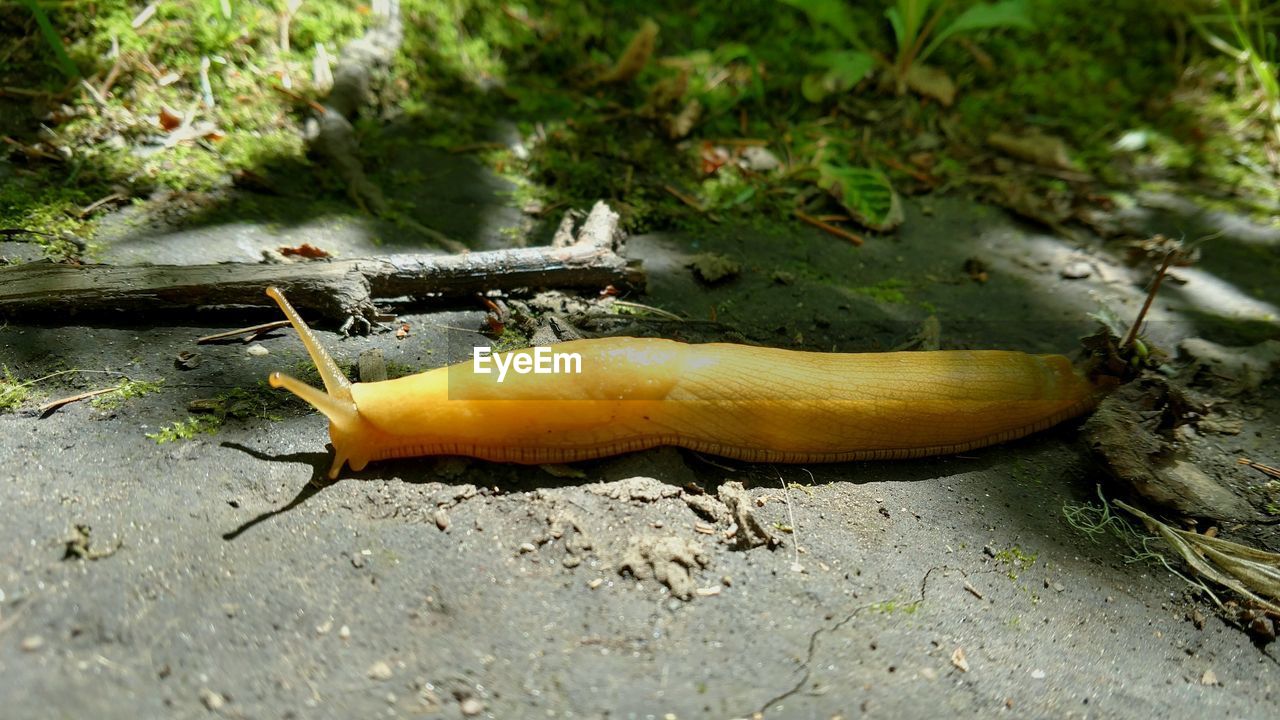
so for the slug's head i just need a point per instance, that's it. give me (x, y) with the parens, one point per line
(346, 427)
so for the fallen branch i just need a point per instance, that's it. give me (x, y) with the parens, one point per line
(341, 290)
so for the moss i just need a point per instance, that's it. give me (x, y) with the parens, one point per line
(511, 340)
(126, 390)
(885, 291)
(1016, 559)
(890, 607)
(12, 391)
(186, 429)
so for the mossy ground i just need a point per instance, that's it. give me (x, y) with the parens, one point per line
(1084, 74)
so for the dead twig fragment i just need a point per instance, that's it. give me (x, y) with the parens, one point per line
(973, 590)
(339, 290)
(52, 405)
(320, 109)
(245, 333)
(686, 199)
(1151, 296)
(1266, 469)
(837, 231)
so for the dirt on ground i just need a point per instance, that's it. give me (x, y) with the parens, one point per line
(213, 576)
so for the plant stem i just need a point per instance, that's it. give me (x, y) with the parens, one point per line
(60, 56)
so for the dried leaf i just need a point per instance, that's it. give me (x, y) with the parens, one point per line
(931, 82)
(305, 250)
(170, 119)
(1044, 150)
(635, 57)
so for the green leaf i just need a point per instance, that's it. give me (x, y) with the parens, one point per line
(865, 192)
(814, 87)
(53, 40)
(833, 14)
(983, 16)
(847, 68)
(907, 17)
(895, 20)
(844, 69)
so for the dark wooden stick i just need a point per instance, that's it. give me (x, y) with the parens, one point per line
(1151, 296)
(338, 290)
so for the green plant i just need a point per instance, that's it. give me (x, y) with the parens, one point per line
(841, 69)
(126, 390)
(1251, 40)
(13, 392)
(186, 429)
(919, 27)
(53, 40)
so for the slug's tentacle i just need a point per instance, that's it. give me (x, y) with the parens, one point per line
(335, 383)
(340, 412)
(337, 405)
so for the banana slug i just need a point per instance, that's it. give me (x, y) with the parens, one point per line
(749, 403)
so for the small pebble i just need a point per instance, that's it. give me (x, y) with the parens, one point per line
(257, 350)
(1209, 678)
(379, 671)
(1078, 270)
(344, 632)
(32, 643)
(442, 519)
(527, 547)
(324, 628)
(1037, 674)
(211, 699)
(471, 706)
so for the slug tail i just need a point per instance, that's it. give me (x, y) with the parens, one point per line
(335, 383)
(342, 413)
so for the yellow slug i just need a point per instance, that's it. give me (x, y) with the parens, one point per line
(743, 402)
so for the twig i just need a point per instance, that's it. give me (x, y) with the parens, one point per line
(112, 75)
(320, 109)
(31, 150)
(93, 93)
(922, 176)
(55, 404)
(1266, 469)
(972, 590)
(837, 231)
(687, 200)
(337, 289)
(649, 308)
(93, 206)
(252, 331)
(1151, 296)
(23, 92)
(475, 147)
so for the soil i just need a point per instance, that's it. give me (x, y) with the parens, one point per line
(211, 576)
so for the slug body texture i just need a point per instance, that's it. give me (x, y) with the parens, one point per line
(737, 401)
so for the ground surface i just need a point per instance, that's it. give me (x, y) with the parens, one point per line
(237, 589)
